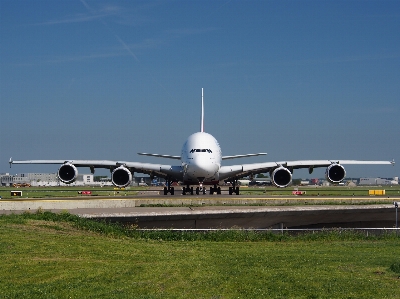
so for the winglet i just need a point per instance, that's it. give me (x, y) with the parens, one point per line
(11, 161)
(202, 113)
(393, 162)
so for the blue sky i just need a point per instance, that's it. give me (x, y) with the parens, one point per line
(107, 79)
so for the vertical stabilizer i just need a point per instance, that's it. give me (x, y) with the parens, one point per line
(202, 113)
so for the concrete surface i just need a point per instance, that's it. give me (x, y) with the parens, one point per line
(127, 210)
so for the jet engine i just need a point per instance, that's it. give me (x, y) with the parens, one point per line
(121, 177)
(335, 173)
(67, 173)
(281, 177)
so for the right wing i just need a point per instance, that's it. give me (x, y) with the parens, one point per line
(121, 175)
(160, 156)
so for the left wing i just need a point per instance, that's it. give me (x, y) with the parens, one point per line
(242, 156)
(281, 172)
(121, 171)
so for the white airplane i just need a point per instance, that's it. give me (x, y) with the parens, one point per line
(201, 159)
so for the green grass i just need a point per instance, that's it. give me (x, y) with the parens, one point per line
(46, 192)
(46, 255)
(393, 190)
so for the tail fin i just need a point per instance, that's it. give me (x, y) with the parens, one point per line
(202, 113)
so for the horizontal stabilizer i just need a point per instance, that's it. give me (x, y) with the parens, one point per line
(160, 156)
(242, 156)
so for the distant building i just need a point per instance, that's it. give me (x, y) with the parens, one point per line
(46, 179)
(377, 181)
(6, 179)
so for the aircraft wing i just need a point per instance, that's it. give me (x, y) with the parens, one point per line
(160, 156)
(160, 170)
(238, 171)
(242, 156)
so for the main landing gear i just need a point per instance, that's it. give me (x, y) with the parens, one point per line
(215, 189)
(234, 188)
(190, 190)
(168, 188)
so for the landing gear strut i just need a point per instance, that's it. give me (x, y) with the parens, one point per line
(168, 188)
(187, 189)
(234, 188)
(190, 190)
(215, 189)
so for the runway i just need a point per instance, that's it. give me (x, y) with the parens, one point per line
(205, 211)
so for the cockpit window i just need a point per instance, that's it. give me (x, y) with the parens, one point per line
(202, 150)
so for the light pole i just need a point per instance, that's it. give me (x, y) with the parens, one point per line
(396, 206)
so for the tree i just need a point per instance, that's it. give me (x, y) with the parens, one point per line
(261, 175)
(296, 182)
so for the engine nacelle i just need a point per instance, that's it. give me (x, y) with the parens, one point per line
(335, 173)
(67, 173)
(281, 177)
(121, 177)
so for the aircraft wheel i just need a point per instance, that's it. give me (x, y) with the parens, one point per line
(204, 190)
(237, 191)
(191, 190)
(230, 190)
(197, 191)
(172, 191)
(211, 190)
(165, 191)
(219, 190)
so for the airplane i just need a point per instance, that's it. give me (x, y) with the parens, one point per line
(201, 164)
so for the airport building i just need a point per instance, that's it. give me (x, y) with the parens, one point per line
(378, 181)
(45, 179)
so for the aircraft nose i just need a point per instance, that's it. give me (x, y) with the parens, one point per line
(202, 168)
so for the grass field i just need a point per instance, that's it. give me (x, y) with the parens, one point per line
(46, 192)
(45, 255)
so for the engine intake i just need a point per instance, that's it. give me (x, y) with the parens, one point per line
(335, 173)
(67, 173)
(121, 177)
(281, 177)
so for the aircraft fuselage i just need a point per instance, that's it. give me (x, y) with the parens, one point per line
(201, 159)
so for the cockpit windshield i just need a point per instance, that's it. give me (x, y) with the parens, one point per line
(198, 150)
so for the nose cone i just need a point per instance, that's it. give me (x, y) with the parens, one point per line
(202, 167)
